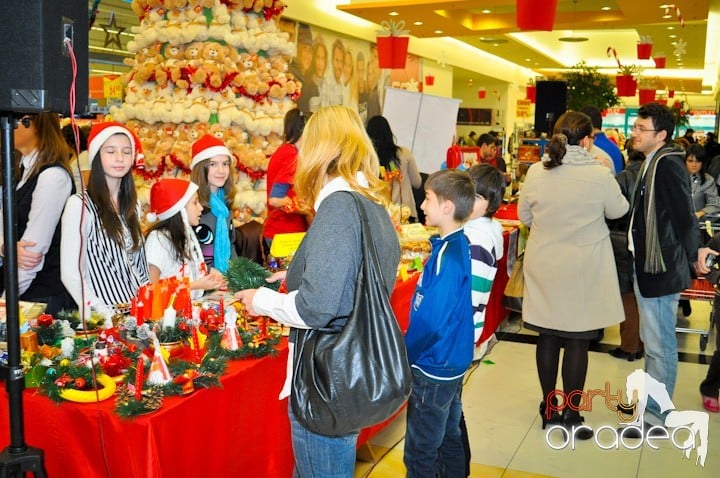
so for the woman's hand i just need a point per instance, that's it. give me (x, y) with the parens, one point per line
(27, 259)
(208, 282)
(246, 297)
(219, 277)
(277, 276)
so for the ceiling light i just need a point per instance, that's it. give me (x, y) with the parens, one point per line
(486, 11)
(671, 28)
(606, 8)
(572, 38)
(528, 59)
(393, 14)
(437, 32)
(672, 36)
(417, 23)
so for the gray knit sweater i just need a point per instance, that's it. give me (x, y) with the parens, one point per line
(325, 266)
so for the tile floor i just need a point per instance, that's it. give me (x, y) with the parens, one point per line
(501, 397)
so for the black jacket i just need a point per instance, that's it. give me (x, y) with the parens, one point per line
(677, 226)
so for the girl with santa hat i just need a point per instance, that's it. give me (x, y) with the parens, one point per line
(171, 247)
(213, 173)
(102, 256)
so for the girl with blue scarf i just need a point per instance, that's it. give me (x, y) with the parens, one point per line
(213, 173)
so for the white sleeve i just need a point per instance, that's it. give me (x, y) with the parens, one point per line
(278, 306)
(48, 199)
(158, 252)
(73, 246)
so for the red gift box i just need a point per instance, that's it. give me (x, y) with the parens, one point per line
(644, 50)
(646, 96)
(659, 61)
(536, 14)
(429, 80)
(392, 51)
(626, 85)
(531, 93)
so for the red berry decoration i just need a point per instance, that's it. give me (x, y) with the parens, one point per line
(80, 383)
(183, 326)
(45, 320)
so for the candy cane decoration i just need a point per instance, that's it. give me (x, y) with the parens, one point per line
(677, 14)
(612, 52)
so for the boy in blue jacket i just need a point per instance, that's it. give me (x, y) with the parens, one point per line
(440, 337)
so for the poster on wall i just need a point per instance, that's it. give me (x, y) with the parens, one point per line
(336, 69)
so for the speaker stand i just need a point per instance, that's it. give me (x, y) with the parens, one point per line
(18, 458)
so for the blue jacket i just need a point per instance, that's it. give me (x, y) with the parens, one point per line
(440, 336)
(604, 143)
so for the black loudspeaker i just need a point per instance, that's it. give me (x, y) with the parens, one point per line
(37, 69)
(550, 103)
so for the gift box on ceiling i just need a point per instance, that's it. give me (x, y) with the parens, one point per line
(659, 61)
(392, 51)
(626, 85)
(646, 96)
(429, 80)
(536, 14)
(644, 49)
(482, 93)
(531, 93)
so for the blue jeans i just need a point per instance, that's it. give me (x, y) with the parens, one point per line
(433, 443)
(658, 317)
(318, 456)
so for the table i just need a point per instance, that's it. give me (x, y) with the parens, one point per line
(241, 429)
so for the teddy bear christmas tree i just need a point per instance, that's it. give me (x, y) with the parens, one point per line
(209, 66)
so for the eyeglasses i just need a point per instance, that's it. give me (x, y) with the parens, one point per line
(641, 129)
(26, 121)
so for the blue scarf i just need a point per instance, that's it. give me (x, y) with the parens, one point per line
(221, 248)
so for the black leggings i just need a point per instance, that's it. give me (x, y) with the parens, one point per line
(574, 364)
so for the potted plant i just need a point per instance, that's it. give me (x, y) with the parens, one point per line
(587, 86)
(646, 90)
(625, 80)
(644, 47)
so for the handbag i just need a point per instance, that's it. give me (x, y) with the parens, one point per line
(514, 287)
(353, 376)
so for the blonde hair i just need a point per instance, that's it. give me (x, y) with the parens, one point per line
(335, 144)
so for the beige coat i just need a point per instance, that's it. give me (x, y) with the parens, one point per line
(570, 278)
(402, 192)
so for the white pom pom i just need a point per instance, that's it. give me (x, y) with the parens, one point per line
(151, 217)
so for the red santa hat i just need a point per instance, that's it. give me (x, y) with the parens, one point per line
(207, 147)
(168, 196)
(101, 132)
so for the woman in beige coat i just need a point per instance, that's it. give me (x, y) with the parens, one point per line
(571, 286)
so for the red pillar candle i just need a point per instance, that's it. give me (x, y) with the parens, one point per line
(139, 378)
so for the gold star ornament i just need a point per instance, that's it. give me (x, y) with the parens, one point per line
(112, 38)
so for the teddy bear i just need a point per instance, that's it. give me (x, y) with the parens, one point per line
(172, 4)
(213, 55)
(194, 65)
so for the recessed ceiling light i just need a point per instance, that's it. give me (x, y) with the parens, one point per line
(417, 23)
(393, 14)
(672, 36)
(606, 8)
(528, 59)
(671, 28)
(666, 16)
(437, 32)
(486, 11)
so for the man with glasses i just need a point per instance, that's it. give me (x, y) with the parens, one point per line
(663, 239)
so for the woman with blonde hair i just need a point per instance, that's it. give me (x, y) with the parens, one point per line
(336, 157)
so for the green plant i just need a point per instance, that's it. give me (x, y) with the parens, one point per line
(588, 87)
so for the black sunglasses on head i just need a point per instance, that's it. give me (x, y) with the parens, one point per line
(26, 121)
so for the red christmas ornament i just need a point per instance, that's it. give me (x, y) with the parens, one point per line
(45, 320)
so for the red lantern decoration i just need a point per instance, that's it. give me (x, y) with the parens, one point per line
(482, 93)
(536, 14)
(659, 61)
(671, 93)
(646, 96)
(626, 85)
(531, 93)
(429, 80)
(392, 51)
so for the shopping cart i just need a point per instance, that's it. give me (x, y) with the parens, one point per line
(700, 289)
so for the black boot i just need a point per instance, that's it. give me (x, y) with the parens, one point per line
(555, 417)
(572, 418)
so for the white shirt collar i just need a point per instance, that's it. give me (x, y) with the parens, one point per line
(27, 162)
(338, 184)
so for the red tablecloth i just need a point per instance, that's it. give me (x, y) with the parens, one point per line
(241, 429)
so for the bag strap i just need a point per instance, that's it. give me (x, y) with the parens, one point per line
(369, 248)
